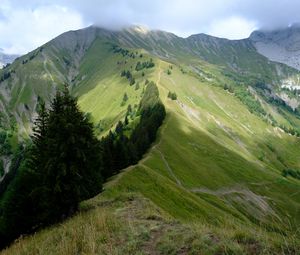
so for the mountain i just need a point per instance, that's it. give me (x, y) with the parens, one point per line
(6, 59)
(281, 45)
(213, 181)
(21, 91)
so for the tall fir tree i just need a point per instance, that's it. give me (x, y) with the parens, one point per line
(61, 168)
(73, 166)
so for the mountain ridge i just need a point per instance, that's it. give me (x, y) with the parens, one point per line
(215, 169)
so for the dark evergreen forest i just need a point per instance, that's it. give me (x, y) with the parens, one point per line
(64, 163)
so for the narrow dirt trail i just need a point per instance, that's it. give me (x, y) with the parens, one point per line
(147, 155)
(158, 80)
(159, 74)
(150, 247)
(169, 168)
(155, 147)
(232, 117)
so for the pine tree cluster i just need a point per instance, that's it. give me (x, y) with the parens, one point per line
(129, 77)
(65, 163)
(118, 149)
(141, 65)
(61, 168)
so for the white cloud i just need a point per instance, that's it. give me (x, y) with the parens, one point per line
(232, 28)
(25, 25)
(22, 30)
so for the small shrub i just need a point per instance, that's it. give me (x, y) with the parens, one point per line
(172, 95)
(125, 99)
(291, 172)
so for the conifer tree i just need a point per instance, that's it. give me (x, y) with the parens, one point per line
(73, 167)
(126, 122)
(61, 168)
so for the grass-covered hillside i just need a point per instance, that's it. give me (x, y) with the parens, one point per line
(213, 181)
(81, 58)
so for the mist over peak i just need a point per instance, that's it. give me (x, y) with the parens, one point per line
(27, 26)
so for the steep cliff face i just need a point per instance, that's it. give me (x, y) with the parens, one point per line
(281, 45)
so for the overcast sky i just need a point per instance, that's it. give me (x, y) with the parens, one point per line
(27, 24)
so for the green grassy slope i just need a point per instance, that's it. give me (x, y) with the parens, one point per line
(81, 58)
(211, 184)
(212, 145)
(238, 55)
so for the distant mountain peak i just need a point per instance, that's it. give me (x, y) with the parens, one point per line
(280, 45)
(6, 58)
